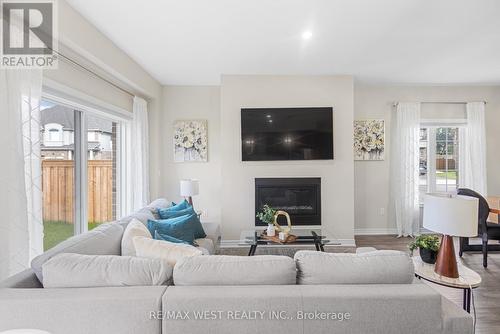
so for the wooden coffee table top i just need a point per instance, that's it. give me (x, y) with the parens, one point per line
(468, 277)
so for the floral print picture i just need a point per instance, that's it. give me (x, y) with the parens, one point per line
(190, 141)
(369, 140)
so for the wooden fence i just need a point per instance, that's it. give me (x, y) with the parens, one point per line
(58, 185)
(441, 163)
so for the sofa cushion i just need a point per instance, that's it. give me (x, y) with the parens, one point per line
(235, 270)
(81, 271)
(142, 215)
(148, 212)
(114, 310)
(134, 229)
(182, 227)
(160, 249)
(103, 240)
(379, 267)
(159, 203)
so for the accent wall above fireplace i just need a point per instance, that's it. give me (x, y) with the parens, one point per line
(299, 196)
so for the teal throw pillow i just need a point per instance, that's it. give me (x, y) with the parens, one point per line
(181, 206)
(182, 227)
(199, 233)
(169, 238)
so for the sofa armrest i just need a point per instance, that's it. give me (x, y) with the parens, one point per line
(24, 280)
(212, 231)
(455, 319)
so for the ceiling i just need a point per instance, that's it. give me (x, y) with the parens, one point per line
(193, 42)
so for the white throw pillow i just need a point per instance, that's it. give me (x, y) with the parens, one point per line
(134, 229)
(160, 249)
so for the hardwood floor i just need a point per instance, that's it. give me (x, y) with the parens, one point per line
(486, 297)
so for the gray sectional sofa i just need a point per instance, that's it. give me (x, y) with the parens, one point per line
(313, 293)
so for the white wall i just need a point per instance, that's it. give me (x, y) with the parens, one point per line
(371, 178)
(227, 183)
(287, 91)
(82, 42)
(200, 102)
(227, 189)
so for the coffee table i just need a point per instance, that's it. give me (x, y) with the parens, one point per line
(313, 236)
(468, 279)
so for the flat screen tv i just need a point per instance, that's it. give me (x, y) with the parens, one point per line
(286, 134)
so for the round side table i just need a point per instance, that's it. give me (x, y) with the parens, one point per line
(468, 279)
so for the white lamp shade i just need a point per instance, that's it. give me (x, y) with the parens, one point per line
(189, 188)
(454, 216)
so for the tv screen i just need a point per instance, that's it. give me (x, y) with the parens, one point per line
(286, 134)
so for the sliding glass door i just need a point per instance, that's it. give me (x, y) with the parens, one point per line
(80, 174)
(57, 135)
(102, 137)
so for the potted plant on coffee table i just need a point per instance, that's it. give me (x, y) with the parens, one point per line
(266, 215)
(428, 246)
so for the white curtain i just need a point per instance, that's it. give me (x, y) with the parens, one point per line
(21, 225)
(472, 146)
(405, 168)
(139, 157)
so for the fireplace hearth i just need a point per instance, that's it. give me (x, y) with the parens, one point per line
(300, 197)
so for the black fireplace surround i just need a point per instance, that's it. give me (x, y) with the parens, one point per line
(300, 197)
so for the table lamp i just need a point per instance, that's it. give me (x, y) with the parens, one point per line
(189, 188)
(451, 215)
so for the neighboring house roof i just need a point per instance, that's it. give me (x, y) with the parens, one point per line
(65, 116)
(91, 146)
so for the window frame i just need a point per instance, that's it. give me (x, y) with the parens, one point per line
(431, 125)
(84, 106)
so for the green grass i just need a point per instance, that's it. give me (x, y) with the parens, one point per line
(57, 231)
(450, 175)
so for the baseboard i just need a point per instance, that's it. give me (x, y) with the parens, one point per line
(374, 231)
(382, 231)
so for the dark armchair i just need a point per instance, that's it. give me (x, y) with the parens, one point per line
(486, 230)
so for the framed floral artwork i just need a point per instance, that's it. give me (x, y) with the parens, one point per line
(190, 141)
(369, 139)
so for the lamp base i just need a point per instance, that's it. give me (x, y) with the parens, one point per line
(446, 263)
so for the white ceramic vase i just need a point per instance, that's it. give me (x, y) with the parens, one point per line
(271, 231)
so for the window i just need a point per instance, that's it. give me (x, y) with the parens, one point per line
(438, 168)
(79, 170)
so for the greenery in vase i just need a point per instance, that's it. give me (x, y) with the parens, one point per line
(266, 215)
(426, 241)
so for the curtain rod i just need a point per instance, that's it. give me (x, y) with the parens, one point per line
(71, 61)
(442, 102)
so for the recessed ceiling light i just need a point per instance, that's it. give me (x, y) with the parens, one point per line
(307, 34)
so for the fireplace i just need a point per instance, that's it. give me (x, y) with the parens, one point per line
(300, 197)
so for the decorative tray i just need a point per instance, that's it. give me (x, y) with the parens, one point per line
(290, 238)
